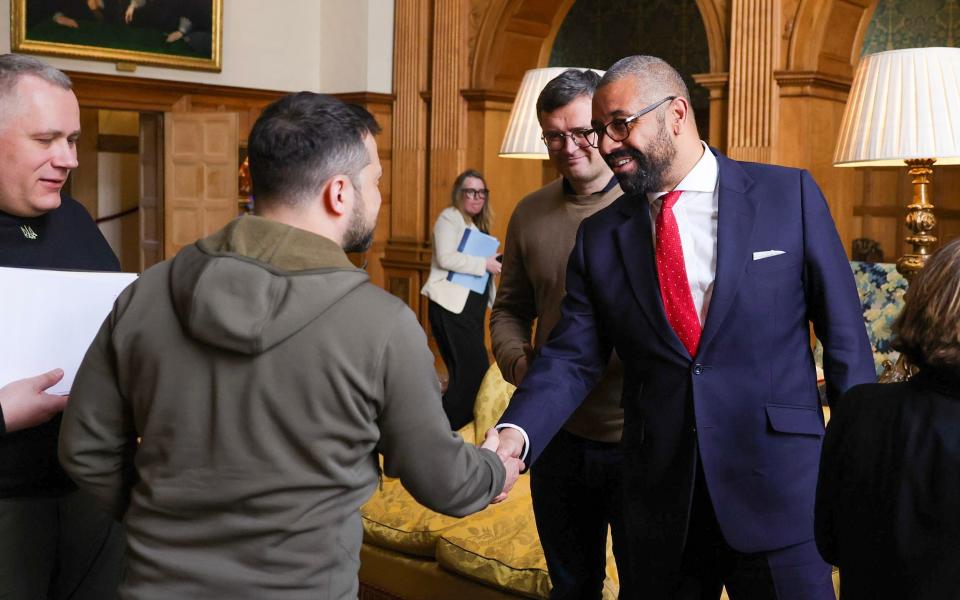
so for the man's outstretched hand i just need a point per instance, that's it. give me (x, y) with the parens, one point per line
(509, 442)
(494, 442)
(25, 403)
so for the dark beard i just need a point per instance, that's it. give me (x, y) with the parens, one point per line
(358, 237)
(650, 167)
(358, 241)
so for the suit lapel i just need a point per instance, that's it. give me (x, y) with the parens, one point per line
(635, 243)
(737, 216)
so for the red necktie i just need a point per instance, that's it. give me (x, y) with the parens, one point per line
(672, 272)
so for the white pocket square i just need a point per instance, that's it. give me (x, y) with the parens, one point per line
(767, 254)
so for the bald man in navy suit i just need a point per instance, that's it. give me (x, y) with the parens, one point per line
(704, 278)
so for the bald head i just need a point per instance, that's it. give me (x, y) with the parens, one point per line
(649, 138)
(655, 78)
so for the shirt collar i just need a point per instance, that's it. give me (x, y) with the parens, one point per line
(701, 178)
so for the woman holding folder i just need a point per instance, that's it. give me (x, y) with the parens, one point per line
(456, 310)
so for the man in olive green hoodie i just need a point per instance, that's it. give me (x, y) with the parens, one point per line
(264, 373)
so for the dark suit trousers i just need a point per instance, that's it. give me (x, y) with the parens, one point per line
(793, 573)
(59, 548)
(576, 492)
(460, 341)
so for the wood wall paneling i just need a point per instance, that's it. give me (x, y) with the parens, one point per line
(811, 110)
(200, 176)
(150, 161)
(406, 254)
(753, 106)
(718, 85)
(448, 109)
(410, 119)
(83, 180)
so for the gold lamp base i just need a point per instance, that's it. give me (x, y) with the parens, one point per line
(920, 218)
(920, 223)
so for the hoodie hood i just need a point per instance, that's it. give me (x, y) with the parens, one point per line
(257, 282)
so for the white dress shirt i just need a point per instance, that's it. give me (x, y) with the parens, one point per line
(697, 216)
(696, 213)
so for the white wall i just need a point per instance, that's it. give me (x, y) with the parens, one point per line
(290, 45)
(356, 46)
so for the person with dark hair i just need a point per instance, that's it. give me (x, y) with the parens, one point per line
(54, 541)
(704, 278)
(576, 483)
(457, 313)
(886, 510)
(263, 373)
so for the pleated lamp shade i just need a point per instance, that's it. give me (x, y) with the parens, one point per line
(522, 139)
(904, 104)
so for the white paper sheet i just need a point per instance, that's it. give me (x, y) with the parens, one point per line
(49, 318)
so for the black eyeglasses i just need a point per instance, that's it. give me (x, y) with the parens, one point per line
(619, 129)
(470, 193)
(557, 140)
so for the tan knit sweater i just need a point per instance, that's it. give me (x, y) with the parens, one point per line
(540, 236)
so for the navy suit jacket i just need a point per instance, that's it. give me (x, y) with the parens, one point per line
(748, 400)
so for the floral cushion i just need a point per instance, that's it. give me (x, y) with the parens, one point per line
(492, 400)
(393, 519)
(881, 290)
(499, 546)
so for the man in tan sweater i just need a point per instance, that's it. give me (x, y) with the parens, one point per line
(576, 481)
(264, 374)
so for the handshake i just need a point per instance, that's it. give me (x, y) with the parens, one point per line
(508, 444)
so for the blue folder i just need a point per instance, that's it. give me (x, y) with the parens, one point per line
(475, 243)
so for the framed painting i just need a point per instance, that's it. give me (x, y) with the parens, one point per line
(184, 34)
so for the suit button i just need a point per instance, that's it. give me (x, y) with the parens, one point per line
(698, 370)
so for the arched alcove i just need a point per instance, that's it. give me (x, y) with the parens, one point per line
(827, 35)
(516, 35)
(597, 33)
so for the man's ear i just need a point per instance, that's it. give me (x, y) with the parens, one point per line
(337, 195)
(678, 114)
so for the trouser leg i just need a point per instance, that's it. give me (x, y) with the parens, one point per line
(436, 316)
(796, 573)
(570, 484)
(91, 550)
(460, 340)
(28, 547)
(701, 571)
(792, 573)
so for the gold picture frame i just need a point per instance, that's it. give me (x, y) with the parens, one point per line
(69, 28)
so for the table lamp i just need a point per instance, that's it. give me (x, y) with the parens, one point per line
(904, 109)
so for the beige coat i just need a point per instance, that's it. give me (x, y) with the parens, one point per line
(447, 233)
(264, 373)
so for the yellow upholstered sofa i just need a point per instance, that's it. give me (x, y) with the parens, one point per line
(414, 553)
